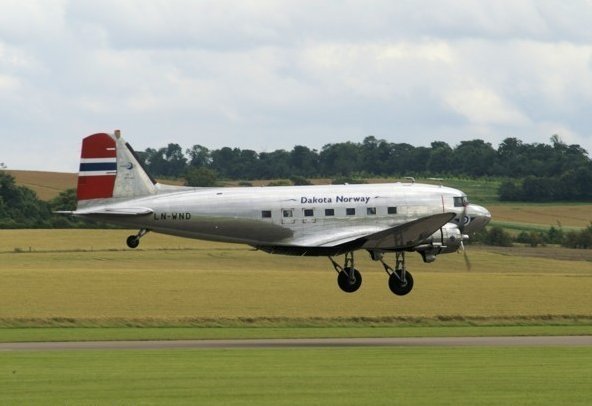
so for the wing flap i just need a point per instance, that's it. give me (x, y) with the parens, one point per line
(402, 236)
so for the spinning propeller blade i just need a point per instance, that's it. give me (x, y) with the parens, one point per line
(466, 256)
(461, 226)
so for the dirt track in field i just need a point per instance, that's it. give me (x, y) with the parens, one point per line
(524, 341)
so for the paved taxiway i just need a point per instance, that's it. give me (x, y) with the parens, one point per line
(526, 341)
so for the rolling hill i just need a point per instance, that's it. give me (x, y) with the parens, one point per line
(47, 185)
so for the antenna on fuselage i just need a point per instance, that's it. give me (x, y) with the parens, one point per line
(437, 180)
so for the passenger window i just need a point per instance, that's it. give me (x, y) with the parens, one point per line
(287, 213)
(308, 212)
(391, 210)
(350, 211)
(329, 212)
(266, 214)
(371, 211)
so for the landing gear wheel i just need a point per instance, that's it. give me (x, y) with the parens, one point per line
(348, 284)
(397, 286)
(133, 241)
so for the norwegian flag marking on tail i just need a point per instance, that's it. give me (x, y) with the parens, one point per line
(98, 167)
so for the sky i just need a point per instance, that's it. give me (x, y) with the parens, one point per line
(265, 75)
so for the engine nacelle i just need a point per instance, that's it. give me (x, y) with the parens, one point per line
(444, 241)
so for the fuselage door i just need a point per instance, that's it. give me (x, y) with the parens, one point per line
(288, 216)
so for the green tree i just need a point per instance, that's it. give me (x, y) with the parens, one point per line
(20, 207)
(65, 201)
(199, 156)
(497, 236)
(555, 235)
(274, 165)
(176, 161)
(169, 161)
(340, 159)
(200, 177)
(400, 159)
(509, 191)
(511, 159)
(304, 161)
(475, 158)
(579, 239)
(440, 160)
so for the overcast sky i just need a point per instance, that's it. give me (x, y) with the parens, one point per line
(273, 74)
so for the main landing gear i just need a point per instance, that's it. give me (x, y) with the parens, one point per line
(349, 278)
(400, 281)
(134, 240)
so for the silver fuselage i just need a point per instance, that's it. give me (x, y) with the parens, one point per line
(298, 216)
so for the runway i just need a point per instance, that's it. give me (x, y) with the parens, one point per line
(524, 341)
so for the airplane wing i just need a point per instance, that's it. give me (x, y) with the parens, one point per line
(407, 235)
(399, 237)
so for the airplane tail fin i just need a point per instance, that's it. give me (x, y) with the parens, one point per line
(110, 169)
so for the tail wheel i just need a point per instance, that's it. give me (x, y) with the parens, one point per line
(399, 286)
(349, 280)
(133, 241)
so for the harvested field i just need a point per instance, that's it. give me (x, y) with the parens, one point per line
(87, 278)
(47, 185)
(545, 215)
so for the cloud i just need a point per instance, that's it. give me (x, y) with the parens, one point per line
(30, 21)
(482, 106)
(273, 74)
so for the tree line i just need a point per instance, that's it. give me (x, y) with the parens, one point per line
(497, 236)
(534, 172)
(21, 208)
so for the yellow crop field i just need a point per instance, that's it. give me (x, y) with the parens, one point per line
(47, 185)
(86, 276)
(569, 215)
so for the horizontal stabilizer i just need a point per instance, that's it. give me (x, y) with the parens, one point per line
(126, 211)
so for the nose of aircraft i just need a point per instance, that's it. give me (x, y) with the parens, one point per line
(479, 217)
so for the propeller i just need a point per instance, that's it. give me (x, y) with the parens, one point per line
(462, 223)
(461, 226)
(465, 255)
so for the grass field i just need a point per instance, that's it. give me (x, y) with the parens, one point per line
(64, 285)
(339, 376)
(543, 215)
(117, 287)
(85, 278)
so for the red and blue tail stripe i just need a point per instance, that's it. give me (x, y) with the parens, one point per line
(98, 167)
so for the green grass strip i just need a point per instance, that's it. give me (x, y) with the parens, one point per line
(313, 376)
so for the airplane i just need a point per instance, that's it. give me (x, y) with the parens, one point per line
(322, 220)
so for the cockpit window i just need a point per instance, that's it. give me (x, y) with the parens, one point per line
(460, 201)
